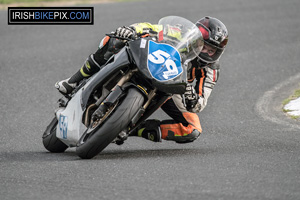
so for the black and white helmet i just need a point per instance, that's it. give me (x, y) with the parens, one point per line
(215, 34)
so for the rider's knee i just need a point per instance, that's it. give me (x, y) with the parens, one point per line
(188, 138)
(183, 138)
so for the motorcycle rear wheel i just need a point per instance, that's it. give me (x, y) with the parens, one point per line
(50, 141)
(113, 125)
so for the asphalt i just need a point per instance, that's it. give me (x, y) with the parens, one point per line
(249, 149)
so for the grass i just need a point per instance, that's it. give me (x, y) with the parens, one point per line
(41, 1)
(24, 1)
(4, 4)
(294, 96)
(294, 117)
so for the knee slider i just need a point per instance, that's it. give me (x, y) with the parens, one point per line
(188, 138)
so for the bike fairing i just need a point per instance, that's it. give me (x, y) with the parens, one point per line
(63, 126)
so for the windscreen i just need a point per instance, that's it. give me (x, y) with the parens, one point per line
(182, 34)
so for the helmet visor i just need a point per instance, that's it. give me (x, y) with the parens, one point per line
(208, 58)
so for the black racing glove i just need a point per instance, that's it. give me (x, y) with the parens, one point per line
(126, 32)
(191, 97)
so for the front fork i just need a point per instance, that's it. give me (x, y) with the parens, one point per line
(112, 98)
(109, 103)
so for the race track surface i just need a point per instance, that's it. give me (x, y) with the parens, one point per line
(248, 150)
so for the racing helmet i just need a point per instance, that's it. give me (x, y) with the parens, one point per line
(215, 35)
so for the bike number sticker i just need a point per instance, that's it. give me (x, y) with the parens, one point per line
(164, 61)
(63, 126)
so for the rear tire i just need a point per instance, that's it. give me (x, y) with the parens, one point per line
(50, 141)
(113, 125)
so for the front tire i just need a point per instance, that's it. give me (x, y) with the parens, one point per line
(115, 123)
(50, 141)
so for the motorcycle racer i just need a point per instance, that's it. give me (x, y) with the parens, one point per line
(203, 73)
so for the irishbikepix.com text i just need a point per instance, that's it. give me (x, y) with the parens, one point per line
(50, 15)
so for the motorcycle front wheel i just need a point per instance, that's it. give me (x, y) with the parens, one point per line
(50, 141)
(90, 146)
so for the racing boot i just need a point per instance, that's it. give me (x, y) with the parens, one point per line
(89, 68)
(68, 85)
(149, 130)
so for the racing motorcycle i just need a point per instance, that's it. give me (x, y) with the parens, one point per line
(132, 85)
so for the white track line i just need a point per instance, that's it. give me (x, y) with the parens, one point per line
(263, 104)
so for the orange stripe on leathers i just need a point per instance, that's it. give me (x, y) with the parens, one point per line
(193, 75)
(179, 129)
(201, 82)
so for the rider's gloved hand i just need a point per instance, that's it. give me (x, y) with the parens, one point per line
(191, 98)
(126, 32)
